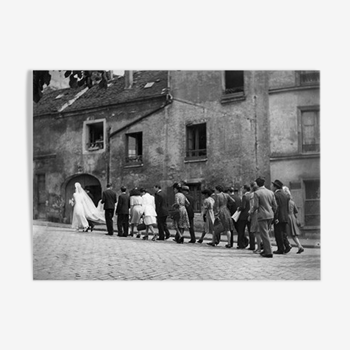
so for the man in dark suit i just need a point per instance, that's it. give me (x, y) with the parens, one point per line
(242, 240)
(265, 204)
(190, 212)
(109, 198)
(281, 218)
(233, 192)
(161, 202)
(123, 213)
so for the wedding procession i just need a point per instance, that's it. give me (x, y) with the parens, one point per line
(223, 211)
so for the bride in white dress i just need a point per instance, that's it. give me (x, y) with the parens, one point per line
(84, 210)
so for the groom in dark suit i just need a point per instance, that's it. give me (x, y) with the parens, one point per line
(109, 198)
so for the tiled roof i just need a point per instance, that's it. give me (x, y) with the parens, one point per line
(100, 97)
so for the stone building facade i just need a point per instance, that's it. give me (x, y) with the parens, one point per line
(294, 114)
(201, 128)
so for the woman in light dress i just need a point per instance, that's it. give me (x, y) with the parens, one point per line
(136, 210)
(253, 218)
(149, 213)
(222, 212)
(182, 220)
(84, 210)
(208, 214)
(292, 227)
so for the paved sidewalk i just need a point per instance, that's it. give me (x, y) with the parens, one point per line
(305, 242)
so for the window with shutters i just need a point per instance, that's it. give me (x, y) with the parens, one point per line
(309, 129)
(196, 141)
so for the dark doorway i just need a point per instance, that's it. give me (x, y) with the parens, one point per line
(86, 181)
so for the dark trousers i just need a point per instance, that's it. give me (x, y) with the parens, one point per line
(109, 220)
(91, 224)
(281, 236)
(191, 229)
(162, 227)
(251, 238)
(232, 232)
(123, 224)
(242, 240)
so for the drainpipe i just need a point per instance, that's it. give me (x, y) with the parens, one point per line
(256, 139)
(108, 153)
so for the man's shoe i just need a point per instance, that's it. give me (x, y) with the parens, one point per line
(287, 250)
(267, 255)
(278, 252)
(160, 239)
(191, 241)
(109, 234)
(212, 244)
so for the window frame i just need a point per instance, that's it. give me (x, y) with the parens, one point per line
(138, 161)
(302, 82)
(196, 150)
(315, 108)
(232, 96)
(86, 136)
(310, 200)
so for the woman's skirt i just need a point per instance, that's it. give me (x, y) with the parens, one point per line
(292, 227)
(183, 221)
(149, 220)
(225, 218)
(136, 213)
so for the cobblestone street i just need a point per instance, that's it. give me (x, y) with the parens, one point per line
(62, 254)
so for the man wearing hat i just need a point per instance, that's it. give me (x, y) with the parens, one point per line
(190, 211)
(281, 218)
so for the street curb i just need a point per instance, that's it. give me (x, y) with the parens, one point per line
(311, 244)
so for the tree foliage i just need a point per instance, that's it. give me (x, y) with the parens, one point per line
(77, 78)
(40, 78)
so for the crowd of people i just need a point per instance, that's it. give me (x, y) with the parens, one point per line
(223, 212)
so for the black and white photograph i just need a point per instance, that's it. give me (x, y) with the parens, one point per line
(176, 175)
(163, 165)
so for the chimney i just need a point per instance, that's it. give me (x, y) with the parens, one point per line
(109, 74)
(129, 77)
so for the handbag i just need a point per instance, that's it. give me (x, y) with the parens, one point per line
(218, 227)
(236, 215)
(141, 227)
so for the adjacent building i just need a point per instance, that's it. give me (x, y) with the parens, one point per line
(294, 113)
